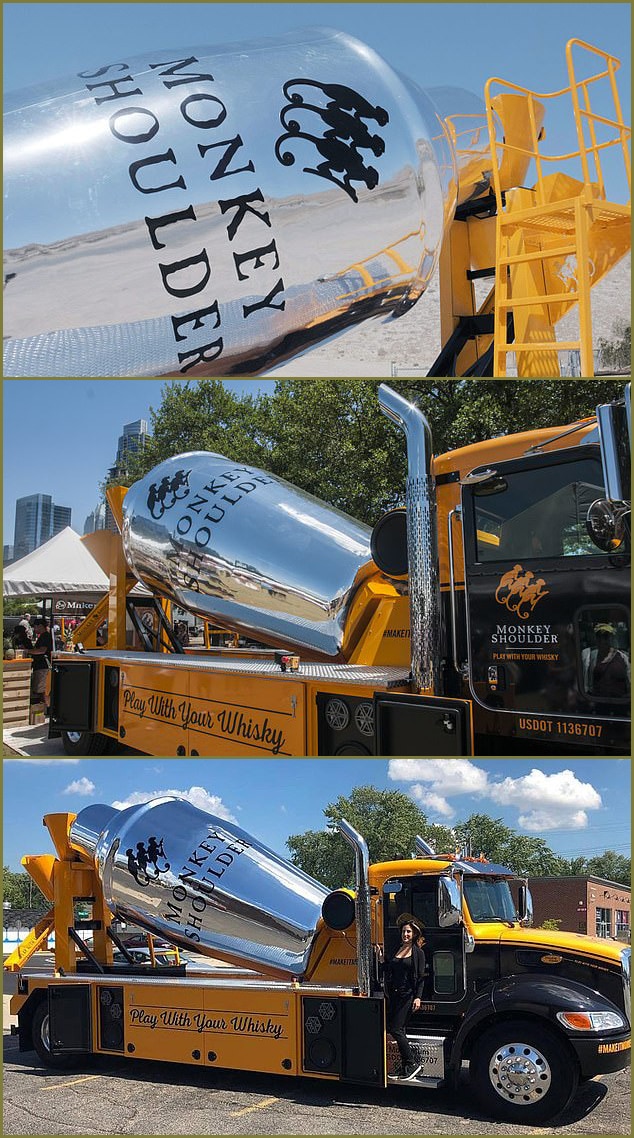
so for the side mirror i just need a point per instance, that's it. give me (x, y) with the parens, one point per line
(448, 903)
(525, 906)
(606, 524)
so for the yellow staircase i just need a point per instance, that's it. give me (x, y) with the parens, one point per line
(557, 239)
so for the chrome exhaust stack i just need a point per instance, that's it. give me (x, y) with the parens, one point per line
(362, 905)
(422, 540)
(423, 848)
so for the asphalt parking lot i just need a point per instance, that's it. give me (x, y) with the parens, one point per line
(109, 1096)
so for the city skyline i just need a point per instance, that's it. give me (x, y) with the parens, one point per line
(78, 449)
(37, 519)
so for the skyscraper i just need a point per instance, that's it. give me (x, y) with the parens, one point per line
(130, 442)
(37, 519)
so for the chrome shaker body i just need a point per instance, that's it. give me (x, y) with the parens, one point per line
(247, 549)
(201, 882)
(215, 210)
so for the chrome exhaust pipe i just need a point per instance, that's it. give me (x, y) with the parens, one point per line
(423, 848)
(422, 540)
(362, 905)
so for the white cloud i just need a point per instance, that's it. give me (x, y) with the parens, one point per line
(447, 777)
(558, 801)
(197, 795)
(81, 786)
(548, 801)
(433, 803)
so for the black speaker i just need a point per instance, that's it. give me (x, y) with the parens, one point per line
(111, 698)
(345, 724)
(322, 1034)
(111, 1019)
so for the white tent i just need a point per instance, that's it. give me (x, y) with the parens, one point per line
(62, 565)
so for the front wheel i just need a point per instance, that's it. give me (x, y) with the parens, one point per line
(40, 1035)
(522, 1072)
(85, 743)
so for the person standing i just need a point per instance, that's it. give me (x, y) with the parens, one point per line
(41, 653)
(23, 634)
(404, 982)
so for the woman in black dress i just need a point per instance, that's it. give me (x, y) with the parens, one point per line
(404, 980)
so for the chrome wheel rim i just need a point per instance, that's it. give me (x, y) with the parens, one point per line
(73, 736)
(45, 1034)
(520, 1073)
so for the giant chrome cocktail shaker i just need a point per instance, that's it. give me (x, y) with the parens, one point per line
(215, 210)
(201, 882)
(246, 549)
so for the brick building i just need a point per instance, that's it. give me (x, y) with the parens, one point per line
(588, 905)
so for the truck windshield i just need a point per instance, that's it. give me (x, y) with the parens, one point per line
(489, 899)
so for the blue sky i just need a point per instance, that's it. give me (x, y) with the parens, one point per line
(434, 44)
(579, 808)
(71, 428)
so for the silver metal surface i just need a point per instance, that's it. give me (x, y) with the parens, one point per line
(202, 980)
(520, 1073)
(423, 848)
(217, 209)
(459, 665)
(422, 540)
(361, 905)
(201, 882)
(334, 673)
(233, 544)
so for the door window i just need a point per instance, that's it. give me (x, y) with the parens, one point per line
(603, 634)
(537, 513)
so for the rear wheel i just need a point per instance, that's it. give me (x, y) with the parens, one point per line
(86, 743)
(40, 1033)
(522, 1072)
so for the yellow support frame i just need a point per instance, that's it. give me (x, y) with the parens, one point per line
(555, 241)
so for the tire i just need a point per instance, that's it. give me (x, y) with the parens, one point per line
(40, 1037)
(522, 1072)
(86, 743)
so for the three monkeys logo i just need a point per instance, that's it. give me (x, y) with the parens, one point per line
(166, 493)
(520, 591)
(342, 111)
(139, 863)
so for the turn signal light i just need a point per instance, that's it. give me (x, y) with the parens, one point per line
(591, 1021)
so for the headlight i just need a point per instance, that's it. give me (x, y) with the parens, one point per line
(591, 1021)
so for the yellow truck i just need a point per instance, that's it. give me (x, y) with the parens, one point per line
(532, 1012)
(490, 616)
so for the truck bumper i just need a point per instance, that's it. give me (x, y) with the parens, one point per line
(602, 1056)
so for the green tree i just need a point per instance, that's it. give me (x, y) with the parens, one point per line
(330, 438)
(11, 606)
(609, 865)
(499, 843)
(21, 891)
(612, 866)
(387, 819)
